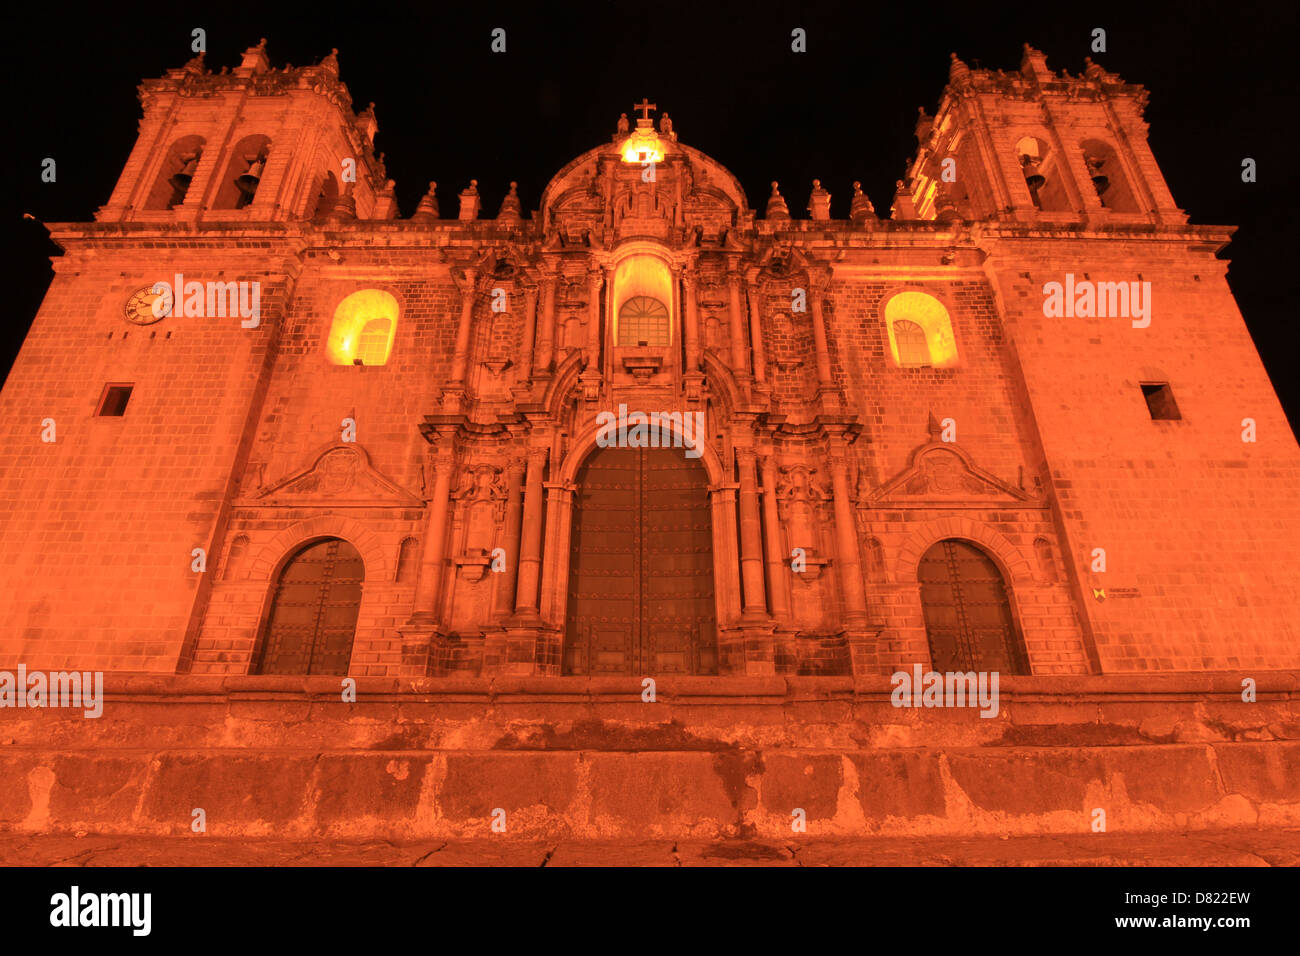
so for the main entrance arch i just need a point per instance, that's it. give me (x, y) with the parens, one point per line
(641, 566)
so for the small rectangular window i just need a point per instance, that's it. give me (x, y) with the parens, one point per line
(1160, 401)
(113, 402)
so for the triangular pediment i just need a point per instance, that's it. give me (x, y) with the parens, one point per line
(941, 473)
(340, 477)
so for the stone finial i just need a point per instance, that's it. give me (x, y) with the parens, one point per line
(1033, 65)
(924, 124)
(861, 209)
(255, 59)
(428, 208)
(819, 203)
(776, 207)
(469, 201)
(510, 205)
(958, 72)
(196, 65)
(1093, 71)
(368, 124)
(903, 207)
(623, 125)
(331, 61)
(946, 204)
(345, 207)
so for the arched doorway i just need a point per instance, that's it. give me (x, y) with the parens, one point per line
(968, 615)
(313, 616)
(641, 566)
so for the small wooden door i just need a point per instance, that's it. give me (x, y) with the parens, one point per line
(641, 569)
(967, 614)
(313, 615)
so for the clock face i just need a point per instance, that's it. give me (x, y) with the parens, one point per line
(147, 306)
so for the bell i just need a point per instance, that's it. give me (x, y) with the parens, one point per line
(1034, 177)
(1099, 179)
(180, 181)
(247, 183)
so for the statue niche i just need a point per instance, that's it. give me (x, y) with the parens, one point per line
(481, 501)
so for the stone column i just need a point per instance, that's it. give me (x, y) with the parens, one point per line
(824, 379)
(691, 327)
(559, 529)
(530, 546)
(756, 328)
(530, 335)
(846, 540)
(460, 359)
(739, 353)
(751, 538)
(505, 596)
(595, 283)
(726, 563)
(778, 574)
(546, 338)
(428, 583)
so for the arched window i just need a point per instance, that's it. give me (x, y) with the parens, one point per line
(910, 340)
(176, 174)
(643, 321)
(313, 615)
(236, 559)
(968, 617)
(1107, 177)
(933, 344)
(243, 173)
(643, 302)
(1043, 175)
(372, 344)
(363, 329)
(406, 561)
(325, 199)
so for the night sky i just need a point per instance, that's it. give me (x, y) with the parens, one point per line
(1222, 79)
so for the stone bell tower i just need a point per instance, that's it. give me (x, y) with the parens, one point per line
(1035, 146)
(252, 144)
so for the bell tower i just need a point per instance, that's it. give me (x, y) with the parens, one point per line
(1036, 146)
(251, 144)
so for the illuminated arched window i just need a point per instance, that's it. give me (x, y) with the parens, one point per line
(643, 321)
(372, 345)
(934, 345)
(643, 302)
(910, 339)
(363, 329)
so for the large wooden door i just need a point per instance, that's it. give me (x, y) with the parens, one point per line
(967, 614)
(641, 568)
(313, 615)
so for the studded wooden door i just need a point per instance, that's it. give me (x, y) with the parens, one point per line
(967, 614)
(313, 615)
(641, 569)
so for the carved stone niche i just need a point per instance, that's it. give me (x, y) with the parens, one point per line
(643, 364)
(473, 564)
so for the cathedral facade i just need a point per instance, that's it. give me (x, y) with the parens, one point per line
(264, 424)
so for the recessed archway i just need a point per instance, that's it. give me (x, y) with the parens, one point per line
(641, 590)
(969, 621)
(312, 620)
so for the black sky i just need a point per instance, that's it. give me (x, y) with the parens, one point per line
(1222, 79)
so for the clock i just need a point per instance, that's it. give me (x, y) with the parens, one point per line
(147, 306)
